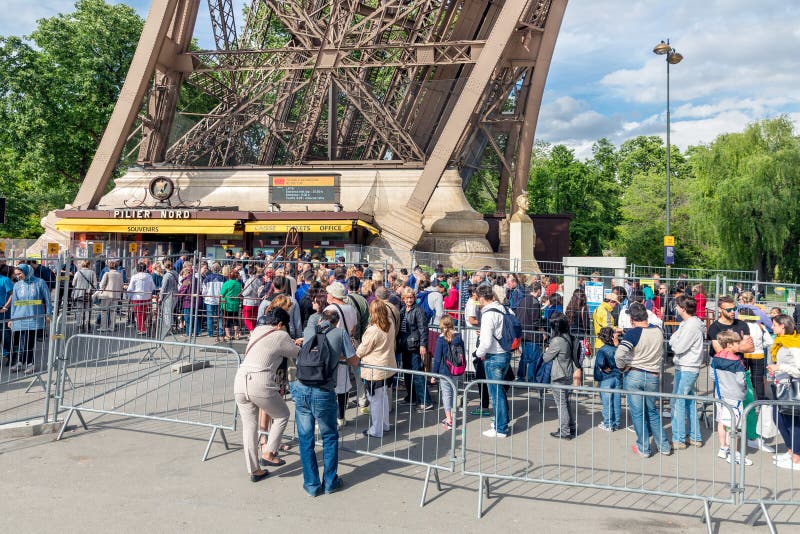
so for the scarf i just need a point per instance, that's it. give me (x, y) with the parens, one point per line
(790, 341)
(28, 270)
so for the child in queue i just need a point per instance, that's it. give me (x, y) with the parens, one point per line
(729, 387)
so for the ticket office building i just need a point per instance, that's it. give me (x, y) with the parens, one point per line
(162, 232)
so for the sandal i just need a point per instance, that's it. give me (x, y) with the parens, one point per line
(447, 424)
(284, 447)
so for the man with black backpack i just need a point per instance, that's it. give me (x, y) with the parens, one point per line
(494, 349)
(313, 393)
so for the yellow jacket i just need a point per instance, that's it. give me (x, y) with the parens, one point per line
(601, 318)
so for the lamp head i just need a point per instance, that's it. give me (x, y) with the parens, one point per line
(674, 58)
(662, 48)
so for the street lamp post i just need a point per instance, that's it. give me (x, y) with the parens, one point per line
(673, 58)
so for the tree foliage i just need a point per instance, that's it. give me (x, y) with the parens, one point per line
(57, 90)
(748, 188)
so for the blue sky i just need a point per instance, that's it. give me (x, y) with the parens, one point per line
(740, 65)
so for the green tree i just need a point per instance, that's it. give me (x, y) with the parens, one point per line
(748, 187)
(561, 184)
(57, 90)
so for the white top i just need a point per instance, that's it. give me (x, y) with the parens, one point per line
(491, 330)
(789, 361)
(141, 287)
(350, 317)
(625, 319)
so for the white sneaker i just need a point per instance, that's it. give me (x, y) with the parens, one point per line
(492, 433)
(723, 453)
(782, 456)
(340, 423)
(630, 428)
(787, 463)
(738, 456)
(602, 426)
(759, 445)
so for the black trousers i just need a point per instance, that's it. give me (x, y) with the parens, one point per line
(23, 343)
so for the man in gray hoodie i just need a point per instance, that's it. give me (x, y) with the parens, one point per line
(687, 344)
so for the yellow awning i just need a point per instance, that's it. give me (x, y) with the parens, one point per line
(369, 227)
(149, 226)
(332, 226)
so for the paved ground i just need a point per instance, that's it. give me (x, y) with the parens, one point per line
(133, 475)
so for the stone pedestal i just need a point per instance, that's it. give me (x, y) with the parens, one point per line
(522, 238)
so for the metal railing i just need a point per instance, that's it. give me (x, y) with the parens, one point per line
(768, 484)
(148, 379)
(590, 456)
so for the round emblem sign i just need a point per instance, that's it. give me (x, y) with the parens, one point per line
(161, 187)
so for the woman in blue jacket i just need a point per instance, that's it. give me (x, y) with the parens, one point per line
(448, 341)
(608, 376)
(30, 305)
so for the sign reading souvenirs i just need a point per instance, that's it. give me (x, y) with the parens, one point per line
(304, 188)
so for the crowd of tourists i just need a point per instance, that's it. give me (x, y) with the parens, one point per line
(310, 326)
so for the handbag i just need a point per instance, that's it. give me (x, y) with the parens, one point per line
(787, 389)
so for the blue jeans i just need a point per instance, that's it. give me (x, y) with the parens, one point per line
(684, 385)
(645, 415)
(187, 318)
(212, 316)
(530, 362)
(420, 384)
(317, 405)
(612, 402)
(496, 366)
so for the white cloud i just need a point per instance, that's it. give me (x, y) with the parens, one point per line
(20, 16)
(740, 65)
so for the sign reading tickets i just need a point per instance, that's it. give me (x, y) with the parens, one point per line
(304, 188)
(52, 249)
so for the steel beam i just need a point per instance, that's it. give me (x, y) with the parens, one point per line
(476, 83)
(128, 104)
(534, 98)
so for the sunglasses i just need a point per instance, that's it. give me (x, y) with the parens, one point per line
(729, 310)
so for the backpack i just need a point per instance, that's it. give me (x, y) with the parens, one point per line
(511, 334)
(312, 361)
(455, 360)
(425, 306)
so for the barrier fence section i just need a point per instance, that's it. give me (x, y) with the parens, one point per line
(393, 427)
(29, 332)
(149, 379)
(400, 432)
(776, 483)
(540, 448)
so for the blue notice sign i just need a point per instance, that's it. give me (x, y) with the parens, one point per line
(669, 255)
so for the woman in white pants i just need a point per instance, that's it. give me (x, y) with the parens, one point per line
(255, 387)
(377, 348)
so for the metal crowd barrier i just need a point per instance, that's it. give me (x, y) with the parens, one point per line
(24, 372)
(148, 379)
(595, 458)
(413, 437)
(764, 483)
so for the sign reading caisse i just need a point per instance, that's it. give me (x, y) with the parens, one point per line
(304, 188)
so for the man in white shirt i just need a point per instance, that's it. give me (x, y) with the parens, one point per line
(496, 361)
(625, 317)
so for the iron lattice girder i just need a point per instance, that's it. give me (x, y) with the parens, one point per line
(396, 55)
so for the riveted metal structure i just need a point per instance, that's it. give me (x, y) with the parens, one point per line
(429, 84)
